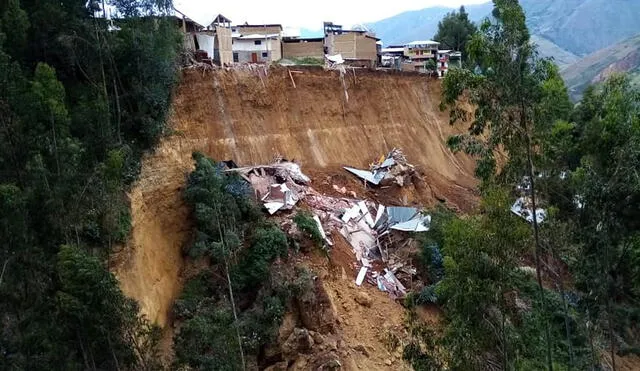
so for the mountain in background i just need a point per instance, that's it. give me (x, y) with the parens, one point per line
(420, 24)
(583, 26)
(596, 67)
(579, 27)
(588, 39)
(547, 48)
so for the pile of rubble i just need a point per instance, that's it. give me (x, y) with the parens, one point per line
(279, 185)
(523, 207)
(372, 230)
(392, 169)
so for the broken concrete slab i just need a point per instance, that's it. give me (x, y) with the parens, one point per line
(522, 208)
(392, 168)
(272, 207)
(361, 275)
(366, 175)
(321, 229)
(418, 224)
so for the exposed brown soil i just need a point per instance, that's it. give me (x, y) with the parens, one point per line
(362, 326)
(238, 115)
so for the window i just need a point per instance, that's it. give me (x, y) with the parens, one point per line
(265, 54)
(258, 42)
(235, 57)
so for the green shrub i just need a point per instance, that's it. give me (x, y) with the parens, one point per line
(195, 290)
(267, 244)
(309, 61)
(305, 222)
(208, 341)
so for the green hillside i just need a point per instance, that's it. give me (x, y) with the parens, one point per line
(580, 27)
(621, 57)
(547, 48)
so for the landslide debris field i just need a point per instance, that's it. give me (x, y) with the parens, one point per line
(253, 116)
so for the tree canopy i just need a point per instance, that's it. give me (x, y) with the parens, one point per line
(79, 104)
(454, 31)
(524, 130)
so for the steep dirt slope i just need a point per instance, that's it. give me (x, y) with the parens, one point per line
(249, 118)
(231, 115)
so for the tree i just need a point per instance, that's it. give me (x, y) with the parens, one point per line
(609, 190)
(455, 30)
(481, 257)
(510, 96)
(76, 114)
(217, 334)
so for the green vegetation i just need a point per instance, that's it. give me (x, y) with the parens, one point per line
(454, 31)
(309, 61)
(78, 107)
(581, 162)
(217, 332)
(620, 57)
(305, 223)
(80, 104)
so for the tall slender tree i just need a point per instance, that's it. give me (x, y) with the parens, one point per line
(508, 95)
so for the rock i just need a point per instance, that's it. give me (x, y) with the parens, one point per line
(360, 348)
(272, 352)
(301, 363)
(388, 362)
(333, 364)
(317, 312)
(332, 344)
(341, 190)
(280, 366)
(287, 326)
(363, 299)
(300, 341)
(317, 337)
(326, 362)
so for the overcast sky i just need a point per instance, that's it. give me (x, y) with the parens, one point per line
(306, 13)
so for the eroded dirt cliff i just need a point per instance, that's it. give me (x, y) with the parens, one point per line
(251, 117)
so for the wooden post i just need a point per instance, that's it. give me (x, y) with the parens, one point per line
(291, 77)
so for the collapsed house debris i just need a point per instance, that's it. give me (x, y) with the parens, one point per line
(279, 196)
(334, 60)
(393, 168)
(371, 240)
(371, 229)
(279, 185)
(523, 208)
(389, 283)
(408, 219)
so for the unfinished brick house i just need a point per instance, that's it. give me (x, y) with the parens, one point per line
(357, 47)
(296, 48)
(213, 40)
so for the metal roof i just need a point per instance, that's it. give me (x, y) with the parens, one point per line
(256, 36)
(424, 42)
(259, 25)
